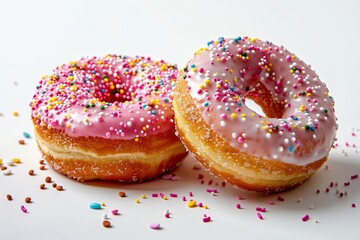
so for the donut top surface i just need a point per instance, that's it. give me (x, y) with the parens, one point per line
(222, 75)
(115, 97)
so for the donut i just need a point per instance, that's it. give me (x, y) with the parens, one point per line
(263, 152)
(108, 118)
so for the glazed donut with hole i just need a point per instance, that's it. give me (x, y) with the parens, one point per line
(266, 152)
(108, 118)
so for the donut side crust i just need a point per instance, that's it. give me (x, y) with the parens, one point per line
(229, 164)
(90, 158)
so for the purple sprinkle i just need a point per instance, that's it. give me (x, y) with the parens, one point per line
(346, 184)
(155, 226)
(200, 204)
(305, 218)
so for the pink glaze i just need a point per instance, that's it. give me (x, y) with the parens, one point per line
(115, 97)
(219, 78)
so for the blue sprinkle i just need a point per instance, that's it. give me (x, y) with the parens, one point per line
(227, 109)
(221, 39)
(95, 205)
(192, 65)
(232, 88)
(153, 112)
(144, 106)
(239, 103)
(209, 43)
(291, 148)
(43, 91)
(206, 104)
(102, 90)
(93, 72)
(26, 135)
(166, 99)
(237, 39)
(312, 128)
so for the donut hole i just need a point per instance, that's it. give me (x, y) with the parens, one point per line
(261, 97)
(251, 104)
(111, 89)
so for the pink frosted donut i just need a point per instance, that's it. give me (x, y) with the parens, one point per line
(108, 118)
(264, 153)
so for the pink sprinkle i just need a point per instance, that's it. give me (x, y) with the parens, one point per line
(191, 194)
(175, 178)
(318, 191)
(167, 215)
(155, 226)
(305, 218)
(271, 202)
(200, 204)
(238, 206)
(201, 70)
(354, 176)
(260, 209)
(210, 181)
(211, 191)
(23, 209)
(154, 195)
(184, 198)
(240, 198)
(161, 195)
(259, 216)
(173, 195)
(353, 205)
(280, 198)
(167, 176)
(115, 212)
(206, 219)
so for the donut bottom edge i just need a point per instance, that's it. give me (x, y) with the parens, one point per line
(227, 163)
(85, 159)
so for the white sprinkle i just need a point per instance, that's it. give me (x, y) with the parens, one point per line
(222, 123)
(6, 172)
(311, 206)
(268, 135)
(281, 149)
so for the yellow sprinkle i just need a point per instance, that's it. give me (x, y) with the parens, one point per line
(103, 204)
(326, 94)
(143, 196)
(201, 86)
(137, 200)
(16, 160)
(295, 96)
(243, 115)
(253, 114)
(136, 139)
(262, 122)
(164, 197)
(205, 206)
(302, 108)
(131, 64)
(1, 161)
(291, 71)
(70, 78)
(218, 86)
(233, 115)
(207, 81)
(293, 56)
(68, 125)
(192, 204)
(308, 94)
(270, 130)
(15, 114)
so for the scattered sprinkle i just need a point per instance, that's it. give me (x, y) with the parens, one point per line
(155, 226)
(305, 218)
(95, 205)
(106, 223)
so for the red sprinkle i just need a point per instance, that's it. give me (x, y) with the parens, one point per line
(280, 198)
(353, 205)
(354, 176)
(346, 184)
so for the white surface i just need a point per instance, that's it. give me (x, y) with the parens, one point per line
(36, 36)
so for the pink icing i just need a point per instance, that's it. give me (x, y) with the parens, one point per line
(219, 78)
(115, 97)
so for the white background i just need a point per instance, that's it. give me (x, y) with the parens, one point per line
(36, 36)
